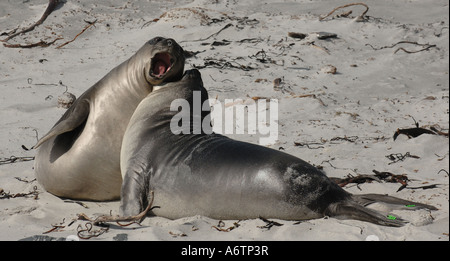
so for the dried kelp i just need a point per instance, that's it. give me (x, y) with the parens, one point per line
(108, 218)
(221, 226)
(360, 17)
(52, 4)
(397, 157)
(269, 224)
(380, 176)
(425, 47)
(14, 159)
(7, 195)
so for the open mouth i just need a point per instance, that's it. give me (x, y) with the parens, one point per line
(161, 64)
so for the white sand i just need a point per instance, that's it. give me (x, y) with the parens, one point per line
(373, 93)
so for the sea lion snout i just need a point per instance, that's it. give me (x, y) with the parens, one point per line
(191, 74)
(166, 60)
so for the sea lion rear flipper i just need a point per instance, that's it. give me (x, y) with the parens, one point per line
(352, 210)
(74, 117)
(367, 199)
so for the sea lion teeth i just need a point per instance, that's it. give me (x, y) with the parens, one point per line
(162, 64)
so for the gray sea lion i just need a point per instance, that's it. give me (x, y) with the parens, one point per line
(218, 177)
(79, 157)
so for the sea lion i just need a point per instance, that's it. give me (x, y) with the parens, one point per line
(79, 157)
(215, 176)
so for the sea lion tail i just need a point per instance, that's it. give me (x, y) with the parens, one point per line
(351, 209)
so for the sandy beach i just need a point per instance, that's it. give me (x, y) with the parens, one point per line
(345, 84)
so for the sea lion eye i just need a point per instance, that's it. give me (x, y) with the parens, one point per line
(155, 40)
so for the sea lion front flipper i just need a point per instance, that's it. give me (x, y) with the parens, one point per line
(74, 117)
(135, 188)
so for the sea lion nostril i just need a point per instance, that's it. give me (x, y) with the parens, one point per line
(169, 43)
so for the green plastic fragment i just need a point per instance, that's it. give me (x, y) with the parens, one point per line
(391, 217)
